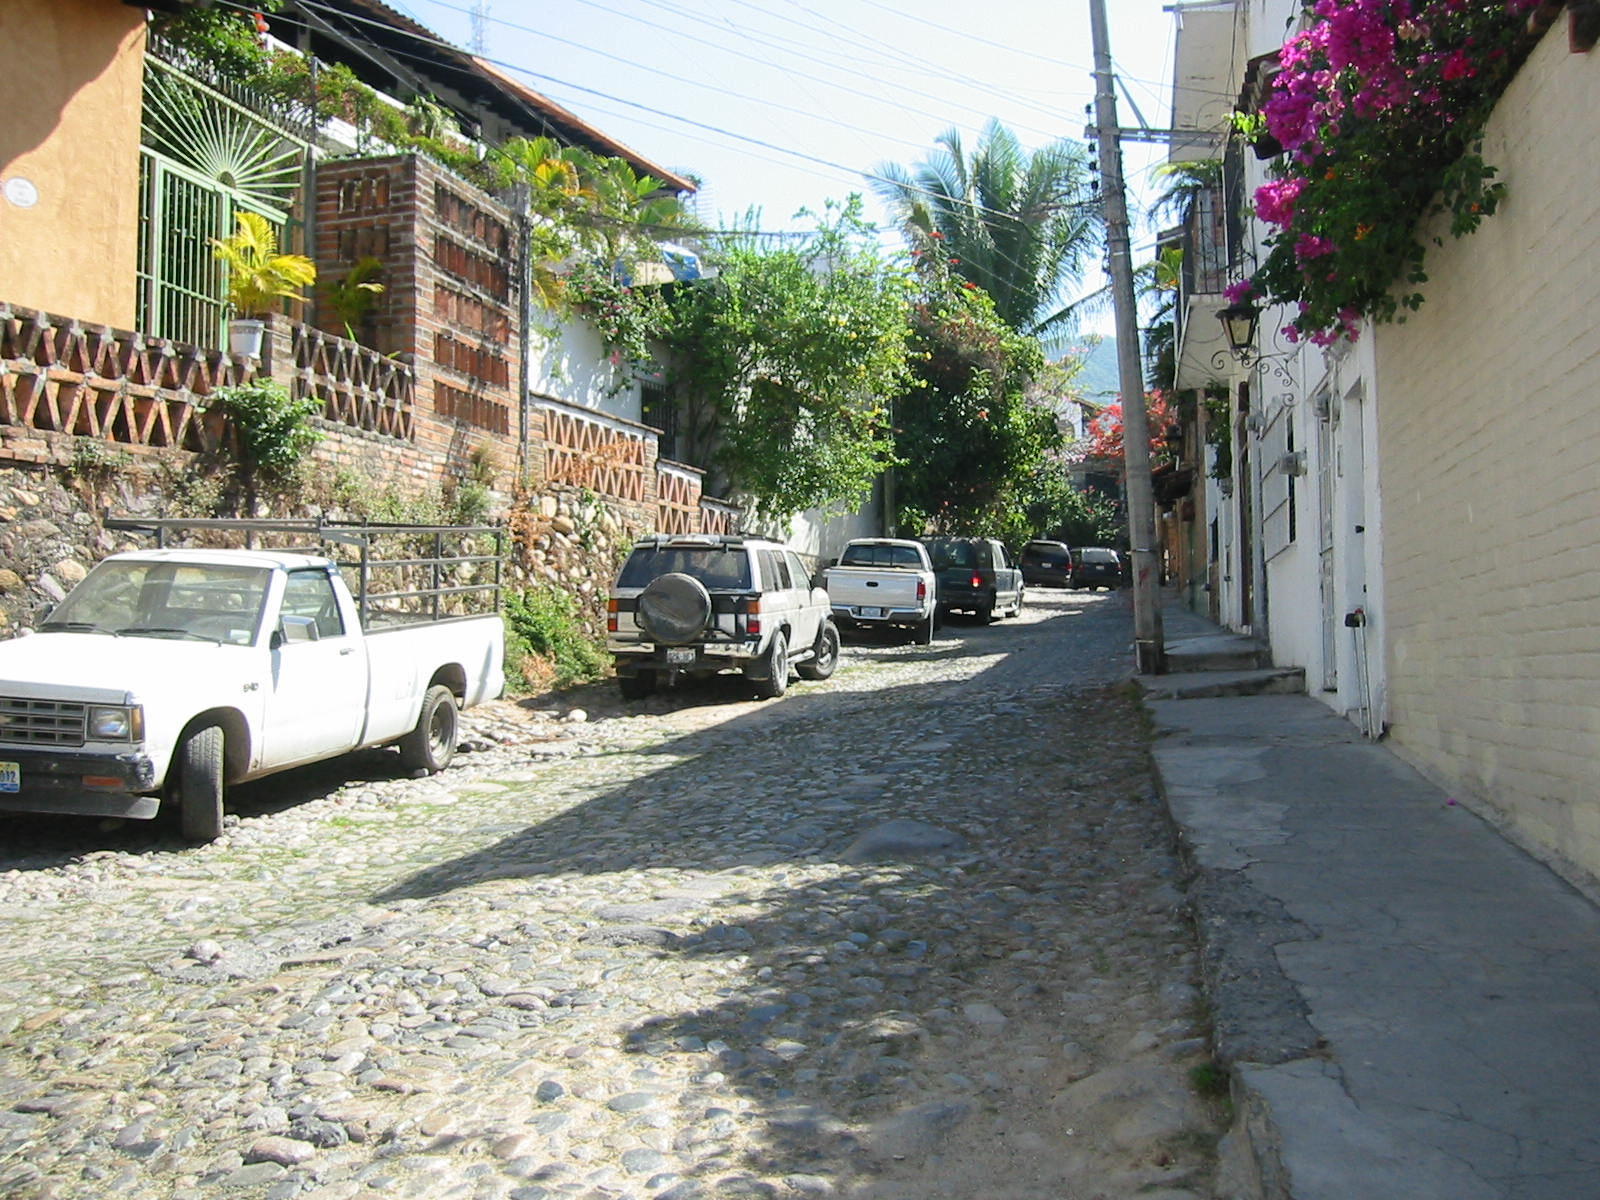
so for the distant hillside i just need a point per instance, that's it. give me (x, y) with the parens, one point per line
(1099, 379)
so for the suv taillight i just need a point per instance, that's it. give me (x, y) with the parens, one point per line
(611, 615)
(752, 616)
(977, 580)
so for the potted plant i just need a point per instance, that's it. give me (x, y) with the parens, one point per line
(259, 278)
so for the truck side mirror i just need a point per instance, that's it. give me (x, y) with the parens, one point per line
(294, 629)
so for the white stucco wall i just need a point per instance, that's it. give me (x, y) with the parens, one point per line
(1490, 447)
(570, 362)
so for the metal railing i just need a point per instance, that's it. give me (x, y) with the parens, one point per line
(400, 573)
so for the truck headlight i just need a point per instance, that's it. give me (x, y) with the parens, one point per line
(116, 723)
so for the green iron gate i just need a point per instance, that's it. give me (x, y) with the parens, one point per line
(205, 155)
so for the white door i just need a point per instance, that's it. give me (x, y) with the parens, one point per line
(318, 694)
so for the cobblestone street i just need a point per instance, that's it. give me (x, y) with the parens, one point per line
(913, 933)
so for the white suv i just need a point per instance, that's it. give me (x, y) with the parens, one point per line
(692, 604)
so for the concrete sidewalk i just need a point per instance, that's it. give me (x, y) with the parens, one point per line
(1409, 1004)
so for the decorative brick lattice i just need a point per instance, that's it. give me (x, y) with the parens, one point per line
(59, 375)
(604, 458)
(357, 386)
(678, 500)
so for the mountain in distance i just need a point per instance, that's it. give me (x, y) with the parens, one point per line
(1100, 379)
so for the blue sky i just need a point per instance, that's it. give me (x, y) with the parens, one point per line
(782, 104)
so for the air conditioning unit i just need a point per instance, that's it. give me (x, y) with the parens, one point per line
(1293, 463)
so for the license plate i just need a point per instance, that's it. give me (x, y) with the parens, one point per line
(871, 612)
(679, 655)
(10, 777)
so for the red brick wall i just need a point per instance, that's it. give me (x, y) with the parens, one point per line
(450, 299)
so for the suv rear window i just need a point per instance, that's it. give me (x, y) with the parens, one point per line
(953, 554)
(1047, 556)
(1099, 556)
(715, 566)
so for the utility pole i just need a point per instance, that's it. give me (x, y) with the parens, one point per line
(1149, 640)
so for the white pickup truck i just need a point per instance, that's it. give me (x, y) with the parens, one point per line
(167, 675)
(880, 582)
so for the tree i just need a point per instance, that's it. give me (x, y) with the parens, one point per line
(1105, 430)
(1019, 226)
(783, 362)
(970, 434)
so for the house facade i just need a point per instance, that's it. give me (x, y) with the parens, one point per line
(1411, 517)
(69, 156)
(116, 331)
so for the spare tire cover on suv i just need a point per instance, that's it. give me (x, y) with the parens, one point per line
(674, 608)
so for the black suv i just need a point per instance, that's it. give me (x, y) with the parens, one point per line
(976, 575)
(1048, 564)
(1096, 567)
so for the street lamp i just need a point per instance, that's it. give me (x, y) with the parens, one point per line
(1239, 324)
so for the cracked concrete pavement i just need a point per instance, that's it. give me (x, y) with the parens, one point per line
(1410, 1004)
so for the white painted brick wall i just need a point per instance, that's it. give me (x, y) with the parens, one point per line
(1489, 442)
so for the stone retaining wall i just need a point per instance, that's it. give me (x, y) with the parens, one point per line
(51, 534)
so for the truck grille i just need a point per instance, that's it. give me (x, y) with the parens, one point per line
(40, 722)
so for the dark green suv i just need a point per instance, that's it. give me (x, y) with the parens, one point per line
(976, 575)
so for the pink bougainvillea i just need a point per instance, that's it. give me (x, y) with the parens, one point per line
(1378, 106)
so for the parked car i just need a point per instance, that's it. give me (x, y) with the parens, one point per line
(1096, 567)
(976, 575)
(695, 605)
(884, 582)
(166, 676)
(1046, 564)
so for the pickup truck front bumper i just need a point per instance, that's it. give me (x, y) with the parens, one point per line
(81, 783)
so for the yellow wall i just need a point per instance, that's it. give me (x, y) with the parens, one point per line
(70, 89)
(1489, 428)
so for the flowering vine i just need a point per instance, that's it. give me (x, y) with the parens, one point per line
(627, 318)
(1379, 108)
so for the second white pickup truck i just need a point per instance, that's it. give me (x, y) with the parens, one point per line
(167, 675)
(881, 582)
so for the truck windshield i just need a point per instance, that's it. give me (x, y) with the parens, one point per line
(204, 601)
(714, 566)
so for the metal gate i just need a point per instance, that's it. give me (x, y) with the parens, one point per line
(205, 156)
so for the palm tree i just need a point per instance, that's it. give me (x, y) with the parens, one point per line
(1021, 226)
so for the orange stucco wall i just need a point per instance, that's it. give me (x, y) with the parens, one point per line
(70, 92)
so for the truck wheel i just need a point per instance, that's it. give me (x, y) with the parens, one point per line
(637, 687)
(825, 654)
(199, 784)
(432, 744)
(774, 680)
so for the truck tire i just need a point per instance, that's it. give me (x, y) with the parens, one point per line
(432, 744)
(824, 655)
(923, 632)
(774, 679)
(636, 687)
(199, 784)
(674, 609)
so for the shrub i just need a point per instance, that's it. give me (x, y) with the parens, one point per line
(546, 642)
